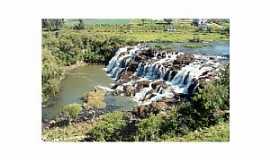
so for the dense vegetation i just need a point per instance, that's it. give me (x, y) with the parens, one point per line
(65, 48)
(52, 73)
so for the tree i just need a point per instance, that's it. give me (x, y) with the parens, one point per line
(80, 26)
(52, 24)
(168, 20)
(52, 73)
(143, 21)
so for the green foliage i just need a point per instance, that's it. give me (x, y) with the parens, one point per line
(52, 73)
(71, 47)
(108, 128)
(212, 101)
(211, 97)
(149, 128)
(179, 120)
(72, 110)
(215, 95)
(217, 133)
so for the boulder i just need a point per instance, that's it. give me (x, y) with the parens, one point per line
(132, 67)
(182, 60)
(159, 105)
(157, 83)
(129, 90)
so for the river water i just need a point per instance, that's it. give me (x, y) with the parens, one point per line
(79, 81)
(217, 48)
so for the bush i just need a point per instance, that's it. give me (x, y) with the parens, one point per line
(109, 128)
(72, 110)
(149, 128)
(213, 28)
(216, 133)
(180, 120)
(212, 101)
(95, 99)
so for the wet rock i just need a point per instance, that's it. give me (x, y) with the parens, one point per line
(125, 77)
(182, 60)
(141, 84)
(129, 91)
(157, 83)
(159, 105)
(133, 66)
(52, 123)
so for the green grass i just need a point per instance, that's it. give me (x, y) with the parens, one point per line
(217, 133)
(166, 36)
(134, 30)
(70, 22)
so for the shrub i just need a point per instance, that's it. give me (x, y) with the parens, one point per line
(212, 28)
(179, 120)
(149, 128)
(109, 128)
(95, 99)
(216, 133)
(212, 101)
(72, 110)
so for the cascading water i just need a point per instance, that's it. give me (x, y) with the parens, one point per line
(159, 66)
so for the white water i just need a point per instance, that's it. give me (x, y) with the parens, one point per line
(153, 69)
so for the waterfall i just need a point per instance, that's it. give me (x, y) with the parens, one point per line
(140, 96)
(119, 62)
(160, 66)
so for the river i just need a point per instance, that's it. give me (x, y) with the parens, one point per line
(77, 82)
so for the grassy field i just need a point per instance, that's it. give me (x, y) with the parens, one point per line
(147, 30)
(152, 36)
(97, 21)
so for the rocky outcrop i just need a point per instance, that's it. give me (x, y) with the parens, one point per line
(153, 108)
(182, 60)
(156, 77)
